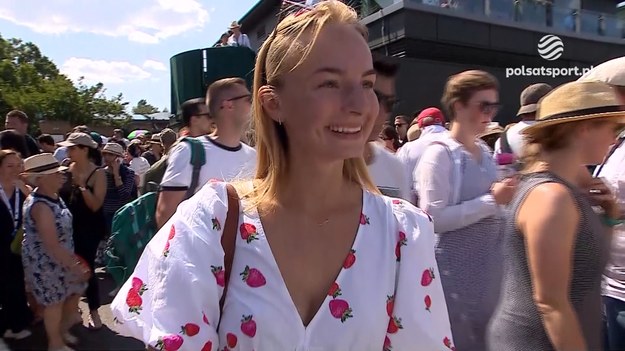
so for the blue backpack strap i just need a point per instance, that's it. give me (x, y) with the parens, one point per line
(198, 159)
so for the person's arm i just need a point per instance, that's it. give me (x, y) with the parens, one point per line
(46, 229)
(95, 199)
(418, 300)
(434, 176)
(124, 190)
(177, 279)
(175, 183)
(549, 220)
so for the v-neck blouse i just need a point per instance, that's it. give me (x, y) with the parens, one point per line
(387, 295)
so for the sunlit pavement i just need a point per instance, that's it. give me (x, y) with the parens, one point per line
(103, 339)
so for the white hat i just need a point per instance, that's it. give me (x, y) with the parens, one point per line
(42, 164)
(79, 139)
(611, 72)
(113, 149)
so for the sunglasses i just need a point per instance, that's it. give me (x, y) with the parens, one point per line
(389, 102)
(487, 107)
(247, 97)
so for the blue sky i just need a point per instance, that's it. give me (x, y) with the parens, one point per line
(125, 44)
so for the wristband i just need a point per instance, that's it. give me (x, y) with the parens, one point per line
(611, 222)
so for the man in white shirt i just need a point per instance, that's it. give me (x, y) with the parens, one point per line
(431, 122)
(511, 140)
(229, 104)
(237, 38)
(385, 169)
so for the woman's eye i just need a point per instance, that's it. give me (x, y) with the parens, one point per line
(368, 84)
(329, 84)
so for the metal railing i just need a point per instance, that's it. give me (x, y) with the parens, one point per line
(536, 13)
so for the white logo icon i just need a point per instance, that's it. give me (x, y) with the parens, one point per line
(550, 47)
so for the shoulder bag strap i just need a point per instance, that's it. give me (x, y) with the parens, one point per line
(229, 236)
(503, 142)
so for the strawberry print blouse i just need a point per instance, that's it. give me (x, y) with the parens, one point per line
(387, 296)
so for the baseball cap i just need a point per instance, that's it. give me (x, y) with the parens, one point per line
(435, 115)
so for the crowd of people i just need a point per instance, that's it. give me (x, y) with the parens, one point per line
(313, 223)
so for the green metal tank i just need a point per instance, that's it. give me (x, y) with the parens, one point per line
(193, 71)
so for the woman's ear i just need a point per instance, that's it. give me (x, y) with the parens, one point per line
(270, 102)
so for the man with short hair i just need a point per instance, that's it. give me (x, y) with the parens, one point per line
(196, 117)
(228, 104)
(18, 121)
(385, 169)
(431, 123)
(401, 126)
(47, 143)
(511, 140)
(168, 138)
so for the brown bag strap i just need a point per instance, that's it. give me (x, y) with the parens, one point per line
(229, 237)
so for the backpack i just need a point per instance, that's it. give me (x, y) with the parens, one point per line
(154, 175)
(134, 224)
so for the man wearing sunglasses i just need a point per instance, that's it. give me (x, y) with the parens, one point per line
(227, 108)
(385, 169)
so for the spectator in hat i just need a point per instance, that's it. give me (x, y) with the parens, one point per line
(511, 140)
(168, 138)
(155, 151)
(613, 73)
(237, 38)
(223, 40)
(430, 121)
(491, 135)
(119, 182)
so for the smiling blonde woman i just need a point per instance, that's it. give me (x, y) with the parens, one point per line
(322, 260)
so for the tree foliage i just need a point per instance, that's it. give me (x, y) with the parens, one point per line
(143, 108)
(31, 82)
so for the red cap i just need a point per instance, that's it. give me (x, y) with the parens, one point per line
(434, 113)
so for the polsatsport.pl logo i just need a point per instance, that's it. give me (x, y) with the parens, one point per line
(543, 71)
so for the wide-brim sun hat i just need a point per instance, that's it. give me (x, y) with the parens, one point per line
(493, 128)
(42, 164)
(113, 149)
(234, 25)
(79, 139)
(577, 101)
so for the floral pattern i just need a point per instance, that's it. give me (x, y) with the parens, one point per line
(386, 296)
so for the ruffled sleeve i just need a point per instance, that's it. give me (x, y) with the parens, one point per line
(419, 315)
(171, 301)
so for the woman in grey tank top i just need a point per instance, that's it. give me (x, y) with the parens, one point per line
(558, 228)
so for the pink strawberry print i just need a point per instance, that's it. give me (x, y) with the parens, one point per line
(190, 329)
(364, 219)
(205, 319)
(390, 305)
(172, 232)
(134, 301)
(248, 232)
(208, 346)
(248, 326)
(350, 259)
(231, 340)
(138, 286)
(394, 324)
(334, 290)
(448, 344)
(428, 302)
(166, 249)
(216, 224)
(169, 343)
(253, 277)
(387, 344)
(400, 242)
(340, 309)
(220, 275)
(427, 277)
(398, 202)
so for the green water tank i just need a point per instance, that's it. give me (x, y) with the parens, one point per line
(193, 71)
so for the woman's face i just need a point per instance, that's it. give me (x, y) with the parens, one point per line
(327, 104)
(77, 153)
(479, 111)
(600, 137)
(11, 167)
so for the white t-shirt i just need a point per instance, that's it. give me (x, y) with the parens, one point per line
(222, 163)
(388, 173)
(515, 138)
(141, 166)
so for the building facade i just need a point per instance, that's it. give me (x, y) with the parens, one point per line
(433, 39)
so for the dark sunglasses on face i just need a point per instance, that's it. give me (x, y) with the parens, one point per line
(388, 102)
(487, 107)
(398, 125)
(247, 97)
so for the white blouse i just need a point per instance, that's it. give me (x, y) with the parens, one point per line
(387, 296)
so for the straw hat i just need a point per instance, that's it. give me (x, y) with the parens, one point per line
(113, 149)
(493, 128)
(79, 139)
(42, 164)
(577, 101)
(414, 132)
(234, 25)
(155, 139)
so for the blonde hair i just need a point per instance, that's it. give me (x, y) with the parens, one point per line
(461, 87)
(549, 139)
(281, 53)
